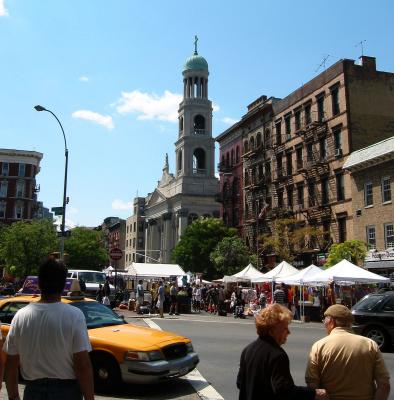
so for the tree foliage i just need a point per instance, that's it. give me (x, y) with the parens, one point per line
(287, 238)
(85, 249)
(197, 243)
(23, 246)
(230, 255)
(351, 250)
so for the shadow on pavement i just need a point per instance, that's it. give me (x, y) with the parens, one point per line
(174, 389)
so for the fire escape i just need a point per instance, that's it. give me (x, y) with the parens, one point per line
(230, 196)
(316, 172)
(256, 189)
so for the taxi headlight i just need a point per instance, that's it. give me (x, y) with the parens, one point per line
(189, 347)
(154, 355)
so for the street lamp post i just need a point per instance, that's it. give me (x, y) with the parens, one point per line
(62, 228)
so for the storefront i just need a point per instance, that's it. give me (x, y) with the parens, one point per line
(381, 262)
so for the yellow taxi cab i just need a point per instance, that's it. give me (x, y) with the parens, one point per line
(120, 351)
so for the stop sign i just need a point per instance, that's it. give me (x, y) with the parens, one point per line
(116, 253)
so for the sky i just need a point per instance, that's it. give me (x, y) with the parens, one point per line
(111, 70)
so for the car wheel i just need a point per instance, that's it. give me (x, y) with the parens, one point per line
(378, 335)
(106, 372)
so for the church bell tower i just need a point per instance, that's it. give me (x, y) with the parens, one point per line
(195, 147)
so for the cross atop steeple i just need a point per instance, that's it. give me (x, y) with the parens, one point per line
(195, 45)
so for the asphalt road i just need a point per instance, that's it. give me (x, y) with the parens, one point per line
(220, 340)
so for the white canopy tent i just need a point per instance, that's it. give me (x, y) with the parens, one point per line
(346, 273)
(299, 278)
(282, 270)
(109, 270)
(249, 273)
(147, 270)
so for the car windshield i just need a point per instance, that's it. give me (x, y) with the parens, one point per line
(92, 277)
(367, 303)
(98, 315)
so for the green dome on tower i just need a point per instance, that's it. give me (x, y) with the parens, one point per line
(196, 62)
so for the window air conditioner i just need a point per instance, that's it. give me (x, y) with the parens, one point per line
(338, 153)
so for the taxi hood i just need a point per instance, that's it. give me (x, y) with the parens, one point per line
(133, 337)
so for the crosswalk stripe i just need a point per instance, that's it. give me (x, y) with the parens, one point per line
(204, 390)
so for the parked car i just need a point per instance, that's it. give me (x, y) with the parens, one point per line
(92, 280)
(120, 351)
(374, 318)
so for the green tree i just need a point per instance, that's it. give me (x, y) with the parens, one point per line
(23, 246)
(197, 243)
(287, 238)
(85, 249)
(351, 250)
(230, 255)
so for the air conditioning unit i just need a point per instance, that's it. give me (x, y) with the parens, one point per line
(338, 153)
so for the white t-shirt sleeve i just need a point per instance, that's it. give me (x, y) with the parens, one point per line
(80, 337)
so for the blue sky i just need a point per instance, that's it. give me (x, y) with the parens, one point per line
(112, 72)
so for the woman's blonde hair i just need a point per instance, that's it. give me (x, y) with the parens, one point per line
(270, 316)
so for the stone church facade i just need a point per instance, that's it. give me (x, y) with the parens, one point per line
(190, 192)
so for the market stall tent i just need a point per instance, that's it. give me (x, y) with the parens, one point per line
(299, 278)
(282, 270)
(147, 270)
(347, 273)
(247, 274)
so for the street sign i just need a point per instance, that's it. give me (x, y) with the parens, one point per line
(57, 210)
(66, 234)
(116, 253)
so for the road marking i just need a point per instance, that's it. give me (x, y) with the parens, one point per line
(295, 323)
(204, 390)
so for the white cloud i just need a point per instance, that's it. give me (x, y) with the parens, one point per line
(229, 121)
(215, 107)
(150, 105)
(104, 120)
(3, 10)
(83, 78)
(69, 224)
(118, 204)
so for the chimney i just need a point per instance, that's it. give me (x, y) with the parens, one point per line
(368, 63)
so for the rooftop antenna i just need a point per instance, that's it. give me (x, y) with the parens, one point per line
(361, 44)
(323, 63)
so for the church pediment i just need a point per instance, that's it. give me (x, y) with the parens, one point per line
(156, 198)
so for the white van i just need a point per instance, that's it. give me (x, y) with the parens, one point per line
(92, 280)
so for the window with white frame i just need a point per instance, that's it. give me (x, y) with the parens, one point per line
(20, 189)
(22, 169)
(371, 237)
(18, 211)
(5, 169)
(389, 235)
(2, 209)
(368, 194)
(386, 189)
(3, 188)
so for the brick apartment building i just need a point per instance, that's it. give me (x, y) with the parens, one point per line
(18, 189)
(294, 149)
(372, 173)
(135, 233)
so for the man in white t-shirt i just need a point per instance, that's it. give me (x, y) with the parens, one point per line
(48, 341)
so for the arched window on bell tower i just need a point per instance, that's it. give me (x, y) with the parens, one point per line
(179, 162)
(180, 126)
(199, 161)
(199, 125)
